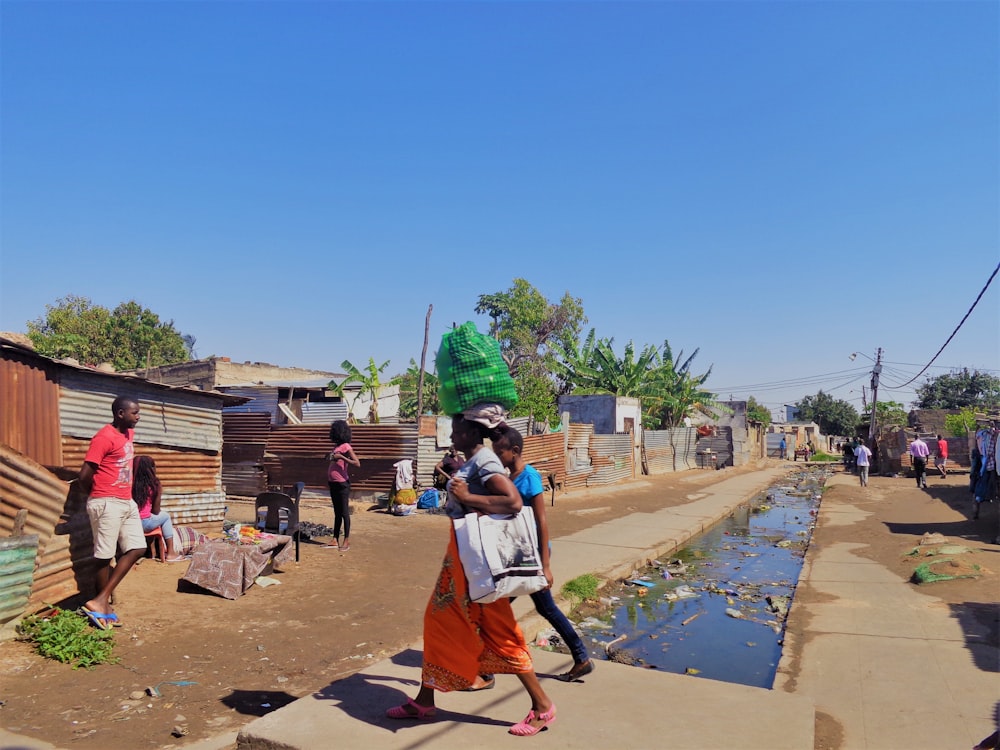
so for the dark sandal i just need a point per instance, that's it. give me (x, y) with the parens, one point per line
(578, 671)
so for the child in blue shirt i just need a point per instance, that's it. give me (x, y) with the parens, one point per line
(509, 446)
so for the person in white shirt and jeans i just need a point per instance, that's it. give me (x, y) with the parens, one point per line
(863, 457)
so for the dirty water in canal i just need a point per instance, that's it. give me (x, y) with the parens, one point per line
(717, 607)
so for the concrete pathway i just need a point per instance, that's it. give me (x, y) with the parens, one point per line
(892, 665)
(618, 706)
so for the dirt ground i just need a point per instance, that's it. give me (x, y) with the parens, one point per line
(335, 613)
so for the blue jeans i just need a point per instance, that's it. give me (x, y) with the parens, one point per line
(546, 607)
(160, 519)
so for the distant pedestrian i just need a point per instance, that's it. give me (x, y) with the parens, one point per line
(941, 461)
(863, 459)
(783, 449)
(919, 452)
(106, 476)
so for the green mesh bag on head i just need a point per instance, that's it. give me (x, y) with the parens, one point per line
(472, 371)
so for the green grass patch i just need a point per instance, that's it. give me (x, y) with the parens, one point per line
(67, 637)
(582, 587)
(828, 457)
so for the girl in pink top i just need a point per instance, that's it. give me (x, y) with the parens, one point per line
(147, 492)
(339, 480)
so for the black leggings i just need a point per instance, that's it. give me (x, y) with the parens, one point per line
(340, 494)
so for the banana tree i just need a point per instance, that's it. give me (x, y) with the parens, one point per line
(370, 382)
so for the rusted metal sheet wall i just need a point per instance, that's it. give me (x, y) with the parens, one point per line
(611, 457)
(244, 437)
(298, 453)
(179, 470)
(658, 452)
(64, 560)
(173, 418)
(685, 442)
(245, 427)
(578, 457)
(545, 453)
(29, 407)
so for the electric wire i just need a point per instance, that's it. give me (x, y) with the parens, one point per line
(960, 324)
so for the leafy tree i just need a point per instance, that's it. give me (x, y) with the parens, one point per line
(958, 389)
(890, 414)
(961, 424)
(370, 380)
(834, 416)
(129, 337)
(528, 327)
(757, 412)
(408, 383)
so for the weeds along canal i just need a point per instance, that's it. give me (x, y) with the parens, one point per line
(717, 607)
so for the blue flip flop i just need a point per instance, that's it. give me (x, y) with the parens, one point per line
(101, 620)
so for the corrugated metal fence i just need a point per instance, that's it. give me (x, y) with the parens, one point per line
(298, 453)
(611, 457)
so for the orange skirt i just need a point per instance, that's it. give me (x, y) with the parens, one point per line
(463, 639)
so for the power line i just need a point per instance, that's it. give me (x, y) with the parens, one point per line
(960, 324)
(806, 380)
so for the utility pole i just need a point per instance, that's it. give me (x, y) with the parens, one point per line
(876, 372)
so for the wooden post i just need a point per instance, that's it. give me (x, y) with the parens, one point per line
(423, 359)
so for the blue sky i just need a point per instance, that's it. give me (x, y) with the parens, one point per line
(775, 184)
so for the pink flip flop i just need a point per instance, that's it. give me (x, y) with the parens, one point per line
(525, 729)
(423, 713)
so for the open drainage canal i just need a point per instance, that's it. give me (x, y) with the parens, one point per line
(717, 607)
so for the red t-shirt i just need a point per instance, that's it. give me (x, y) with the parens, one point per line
(943, 448)
(112, 452)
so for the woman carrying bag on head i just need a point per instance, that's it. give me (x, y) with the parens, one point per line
(463, 639)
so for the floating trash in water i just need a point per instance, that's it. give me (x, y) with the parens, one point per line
(593, 623)
(681, 592)
(734, 613)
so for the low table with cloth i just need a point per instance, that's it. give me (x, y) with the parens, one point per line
(229, 568)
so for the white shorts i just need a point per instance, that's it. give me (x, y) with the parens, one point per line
(942, 462)
(114, 523)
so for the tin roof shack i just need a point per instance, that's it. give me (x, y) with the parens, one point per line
(611, 459)
(50, 411)
(748, 437)
(293, 395)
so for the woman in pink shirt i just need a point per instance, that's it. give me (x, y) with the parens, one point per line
(147, 491)
(339, 480)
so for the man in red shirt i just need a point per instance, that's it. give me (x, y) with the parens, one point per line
(106, 476)
(942, 456)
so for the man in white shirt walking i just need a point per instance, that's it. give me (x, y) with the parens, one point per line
(863, 456)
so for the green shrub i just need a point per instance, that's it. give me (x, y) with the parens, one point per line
(582, 587)
(67, 637)
(825, 457)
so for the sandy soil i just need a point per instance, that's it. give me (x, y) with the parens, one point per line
(336, 613)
